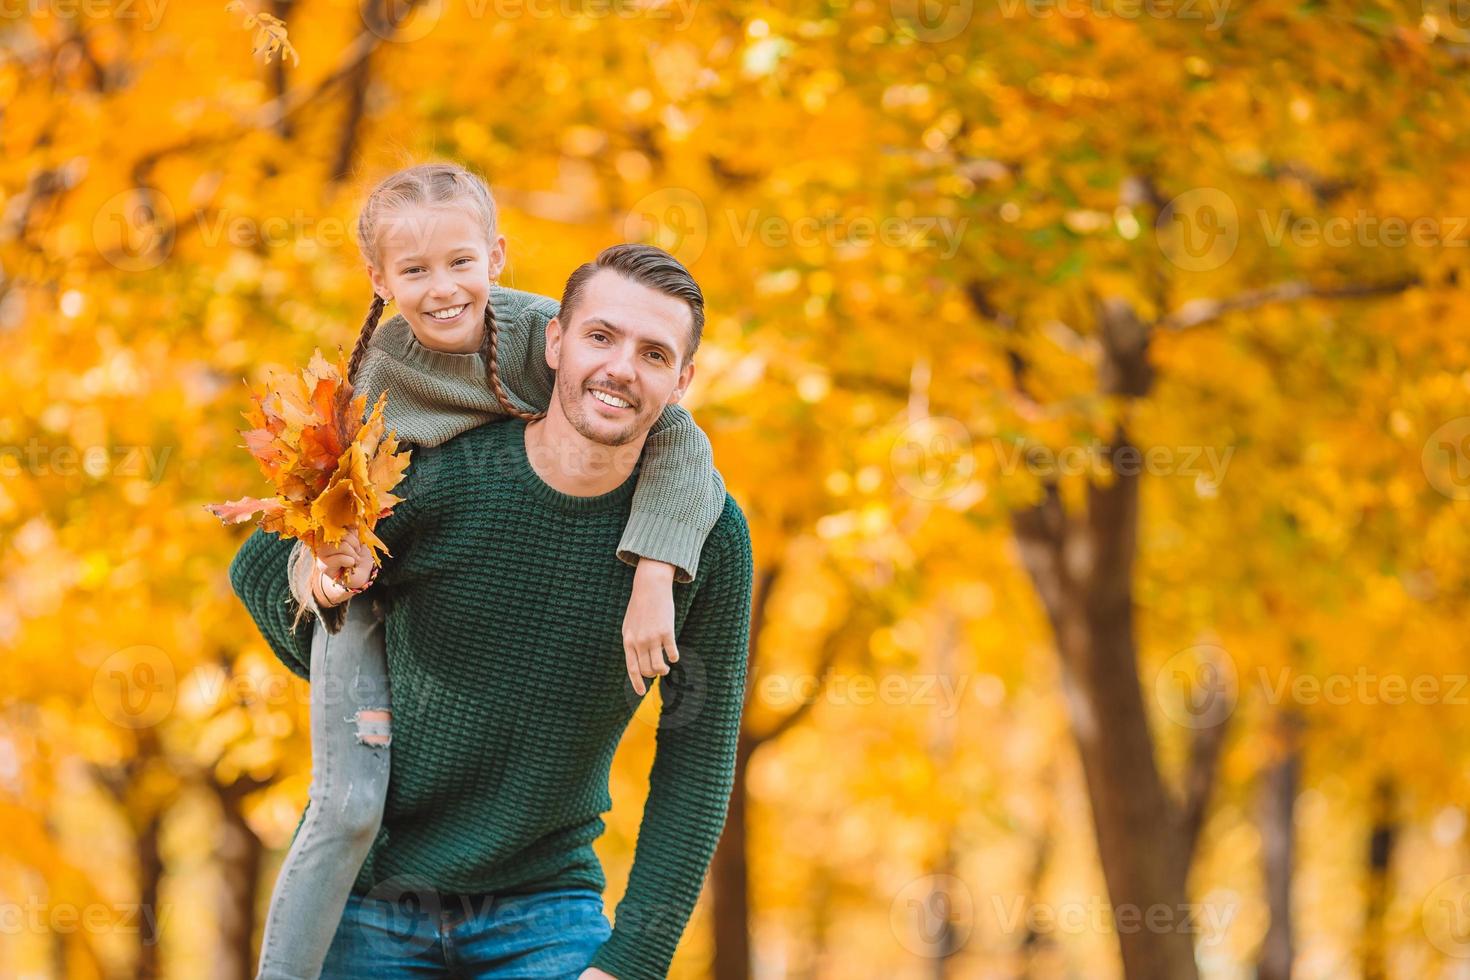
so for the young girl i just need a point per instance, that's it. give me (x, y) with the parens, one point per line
(461, 351)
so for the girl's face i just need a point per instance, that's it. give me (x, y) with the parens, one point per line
(436, 263)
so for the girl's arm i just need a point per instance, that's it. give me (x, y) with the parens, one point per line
(679, 497)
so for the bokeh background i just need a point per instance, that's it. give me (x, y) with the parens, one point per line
(1095, 375)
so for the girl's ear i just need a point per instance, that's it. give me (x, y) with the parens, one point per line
(497, 257)
(380, 284)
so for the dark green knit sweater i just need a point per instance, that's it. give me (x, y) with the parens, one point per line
(505, 603)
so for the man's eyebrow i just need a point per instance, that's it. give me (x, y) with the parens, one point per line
(613, 328)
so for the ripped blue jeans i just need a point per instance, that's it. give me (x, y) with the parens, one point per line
(350, 736)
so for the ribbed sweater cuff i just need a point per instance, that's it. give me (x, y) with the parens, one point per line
(621, 957)
(659, 538)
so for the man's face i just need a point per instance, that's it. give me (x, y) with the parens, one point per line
(617, 362)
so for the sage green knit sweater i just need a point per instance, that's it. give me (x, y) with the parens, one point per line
(434, 396)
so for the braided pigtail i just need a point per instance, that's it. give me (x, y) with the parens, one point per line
(489, 349)
(365, 337)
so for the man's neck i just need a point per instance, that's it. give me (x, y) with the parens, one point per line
(572, 464)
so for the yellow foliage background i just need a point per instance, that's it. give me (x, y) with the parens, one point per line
(908, 219)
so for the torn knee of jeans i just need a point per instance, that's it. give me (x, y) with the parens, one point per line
(374, 726)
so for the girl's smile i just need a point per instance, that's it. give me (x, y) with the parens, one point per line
(449, 313)
(436, 264)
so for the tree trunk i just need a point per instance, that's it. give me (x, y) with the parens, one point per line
(1082, 570)
(281, 9)
(1380, 855)
(239, 856)
(729, 881)
(1278, 847)
(150, 878)
(1082, 567)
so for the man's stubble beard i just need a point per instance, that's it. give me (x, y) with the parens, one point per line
(570, 393)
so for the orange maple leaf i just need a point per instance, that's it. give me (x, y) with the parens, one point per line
(329, 460)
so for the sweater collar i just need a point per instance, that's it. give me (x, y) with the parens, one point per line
(542, 492)
(395, 338)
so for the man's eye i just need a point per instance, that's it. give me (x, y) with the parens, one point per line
(657, 354)
(599, 337)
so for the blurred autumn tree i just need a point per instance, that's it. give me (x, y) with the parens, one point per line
(1082, 368)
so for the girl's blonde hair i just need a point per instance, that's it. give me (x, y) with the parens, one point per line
(430, 185)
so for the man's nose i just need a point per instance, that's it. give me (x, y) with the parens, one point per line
(621, 363)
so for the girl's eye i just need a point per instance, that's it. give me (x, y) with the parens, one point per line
(458, 261)
(409, 272)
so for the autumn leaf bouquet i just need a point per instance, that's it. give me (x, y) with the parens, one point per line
(330, 462)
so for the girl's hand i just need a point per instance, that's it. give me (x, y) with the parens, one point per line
(342, 570)
(648, 626)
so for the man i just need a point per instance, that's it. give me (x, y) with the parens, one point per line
(504, 601)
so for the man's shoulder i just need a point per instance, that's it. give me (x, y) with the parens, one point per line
(496, 433)
(474, 458)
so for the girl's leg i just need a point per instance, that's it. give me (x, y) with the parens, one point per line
(349, 783)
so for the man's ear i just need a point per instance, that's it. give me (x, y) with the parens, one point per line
(553, 343)
(380, 283)
(686, 375)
